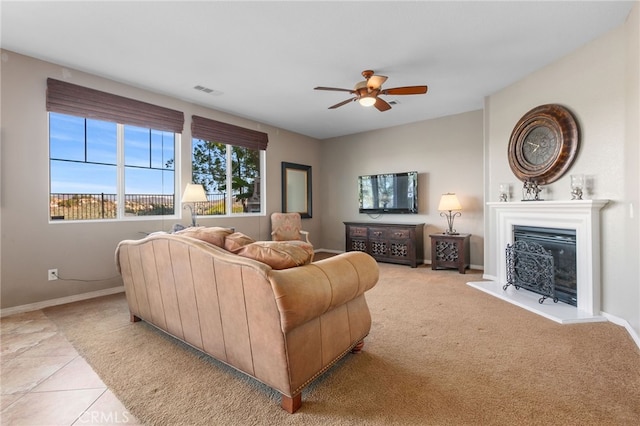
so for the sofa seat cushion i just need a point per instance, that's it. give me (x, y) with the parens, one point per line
(213, 235)
(278, 254)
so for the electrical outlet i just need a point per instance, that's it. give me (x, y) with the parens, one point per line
(52, 274)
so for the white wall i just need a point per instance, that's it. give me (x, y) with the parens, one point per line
(599, 84)
(85, 251)
(632, 161)
(446, 153)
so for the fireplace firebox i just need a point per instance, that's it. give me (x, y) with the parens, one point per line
(544, 260)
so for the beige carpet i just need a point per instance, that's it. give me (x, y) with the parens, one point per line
(439, 353)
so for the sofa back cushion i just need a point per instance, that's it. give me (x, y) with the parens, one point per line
(213, 235)
(307, 247)
(278, 254)
(236, 241)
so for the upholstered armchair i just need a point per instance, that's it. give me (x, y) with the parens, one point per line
(288, 227)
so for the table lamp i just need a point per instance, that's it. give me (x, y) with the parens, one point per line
(193, 193)
(449, 203)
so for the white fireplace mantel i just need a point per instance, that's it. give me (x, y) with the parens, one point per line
(583, 216)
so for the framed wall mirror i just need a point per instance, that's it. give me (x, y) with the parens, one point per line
(296, 189)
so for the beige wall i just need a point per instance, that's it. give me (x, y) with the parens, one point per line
(85, 251)
(599, 83)
(446, 153)
(464, 153)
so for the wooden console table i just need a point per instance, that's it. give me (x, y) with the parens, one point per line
(450, 251)
(387, 242)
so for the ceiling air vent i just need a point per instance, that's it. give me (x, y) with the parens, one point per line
(203, 89)
(208, 91)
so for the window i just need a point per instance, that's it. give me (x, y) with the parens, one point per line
(227, 156)
(215, 165)
(110, 157)
(85, 173)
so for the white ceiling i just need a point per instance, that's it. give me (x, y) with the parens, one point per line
(263, 59)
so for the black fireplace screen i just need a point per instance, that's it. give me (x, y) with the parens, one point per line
(543, 260)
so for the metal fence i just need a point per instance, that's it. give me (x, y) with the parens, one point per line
(74, 206)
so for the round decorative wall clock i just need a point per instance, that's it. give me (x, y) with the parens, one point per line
(543, 144)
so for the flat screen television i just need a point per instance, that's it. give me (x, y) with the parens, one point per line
(389, 193)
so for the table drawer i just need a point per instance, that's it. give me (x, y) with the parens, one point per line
(389, 233)
(357, 231)
(398, 233)
(378, 233)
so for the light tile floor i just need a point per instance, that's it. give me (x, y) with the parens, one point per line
(44, 381)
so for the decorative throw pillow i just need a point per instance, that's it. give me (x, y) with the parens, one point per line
(277, 254)
(236, 241)
(213, 235)
(303, 245)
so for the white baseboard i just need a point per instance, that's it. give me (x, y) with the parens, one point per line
(60, 301)
(623, 323)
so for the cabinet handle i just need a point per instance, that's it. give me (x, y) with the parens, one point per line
(377, 233)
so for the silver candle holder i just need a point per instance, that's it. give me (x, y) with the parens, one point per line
(505, 189)
(577, 185)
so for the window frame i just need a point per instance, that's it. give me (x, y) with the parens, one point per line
(121, 168)
(229, 195)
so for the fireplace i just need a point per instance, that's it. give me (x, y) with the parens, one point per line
(579, 216)
(544, 255)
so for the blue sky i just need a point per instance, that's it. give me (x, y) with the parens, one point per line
(94, 170)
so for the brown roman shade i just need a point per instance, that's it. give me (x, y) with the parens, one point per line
(67, 98)
(217, 131)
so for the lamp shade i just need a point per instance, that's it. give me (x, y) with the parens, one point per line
(449, 202)
(194, 193)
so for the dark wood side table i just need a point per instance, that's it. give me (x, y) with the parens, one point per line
(401, 243)
(450, 251)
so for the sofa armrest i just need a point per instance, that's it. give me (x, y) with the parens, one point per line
(306, 292)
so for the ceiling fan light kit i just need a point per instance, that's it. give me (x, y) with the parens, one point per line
(366, 92)
(367, 101)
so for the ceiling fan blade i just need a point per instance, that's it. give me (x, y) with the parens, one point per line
(375, 81)
(382, 105)
(335, 89)
(408, 90)
(342, 103)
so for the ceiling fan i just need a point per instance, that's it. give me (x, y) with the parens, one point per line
(366, 92)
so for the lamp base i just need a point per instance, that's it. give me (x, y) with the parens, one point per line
(450, 216)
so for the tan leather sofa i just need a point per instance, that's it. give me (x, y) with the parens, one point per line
(282, 327)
